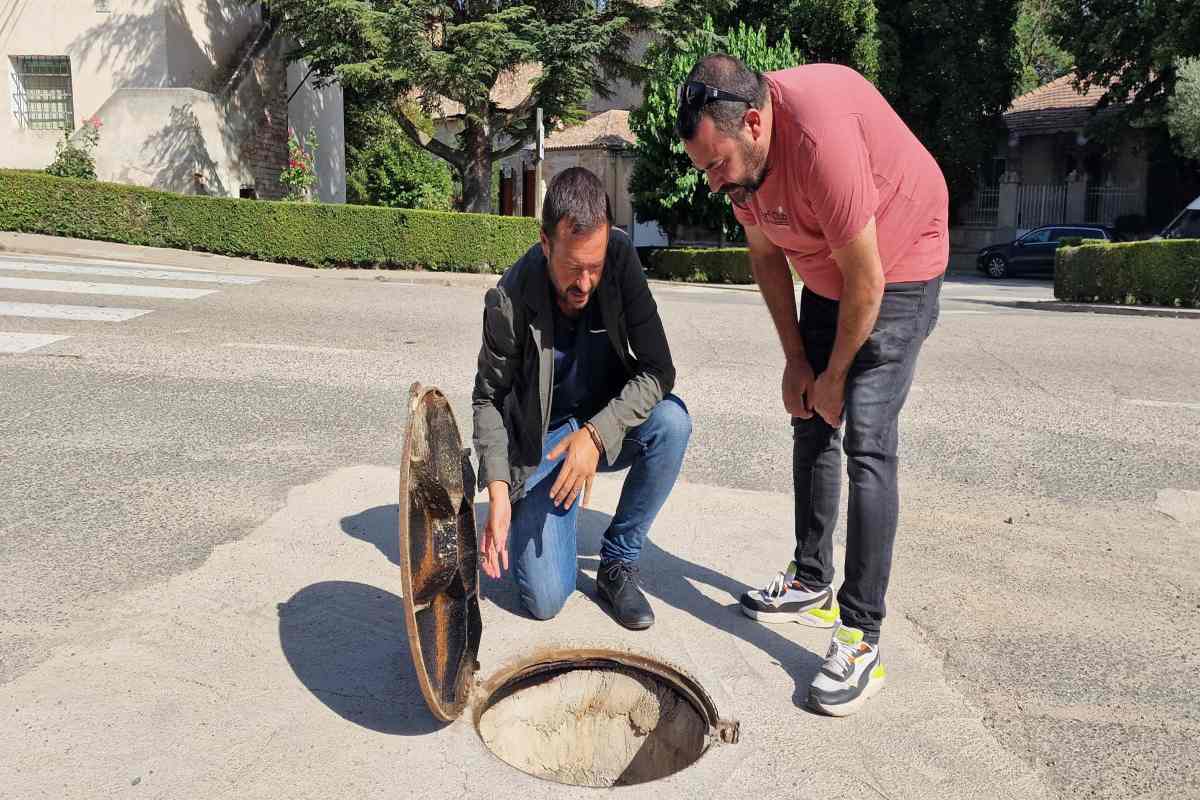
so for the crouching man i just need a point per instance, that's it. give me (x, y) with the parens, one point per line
(574, 377)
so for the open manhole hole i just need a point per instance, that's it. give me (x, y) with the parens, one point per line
(596, 718)
(584, 717)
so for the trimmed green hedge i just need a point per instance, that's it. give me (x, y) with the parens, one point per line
(312, 234)
(703, 265)
(1164, 272)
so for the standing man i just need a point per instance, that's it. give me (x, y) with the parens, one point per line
(825, 176)
(574, 376)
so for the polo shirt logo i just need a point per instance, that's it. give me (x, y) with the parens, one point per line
(777, 216)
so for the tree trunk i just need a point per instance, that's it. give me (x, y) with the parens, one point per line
(477, 174)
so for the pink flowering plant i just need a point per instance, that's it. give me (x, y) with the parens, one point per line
(300, 174)
(73, 156)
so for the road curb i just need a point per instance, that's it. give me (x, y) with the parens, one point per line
(1093, 308)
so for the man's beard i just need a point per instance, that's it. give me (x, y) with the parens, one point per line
(740, 192)
(571, 296)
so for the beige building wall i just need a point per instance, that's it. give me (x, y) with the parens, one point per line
(322, 110)
(1043, 159)
(183, 147)
(203, 37)
(126, 47)
(610, 166)
(157, 74)
(138, 44)
(1038, 163)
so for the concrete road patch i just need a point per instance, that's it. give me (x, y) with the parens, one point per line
(1180, 505)
(279, 668)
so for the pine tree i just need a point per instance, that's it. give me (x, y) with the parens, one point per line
(400, 50)
(1131, 48)
(831, 31)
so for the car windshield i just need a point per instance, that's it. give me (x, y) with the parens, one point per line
(1187, 226)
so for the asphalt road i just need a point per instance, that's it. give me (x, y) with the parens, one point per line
(1051, 459)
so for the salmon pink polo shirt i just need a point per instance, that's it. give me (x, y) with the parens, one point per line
(839, 156)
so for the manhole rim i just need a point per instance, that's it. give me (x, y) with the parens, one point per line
(566, 659)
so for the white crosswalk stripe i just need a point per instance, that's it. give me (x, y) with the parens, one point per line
(13, 342)
(85, 313)
(132, 272)
(87, 287)
(24, 342)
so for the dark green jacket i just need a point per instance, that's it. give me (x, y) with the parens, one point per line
(515, 378)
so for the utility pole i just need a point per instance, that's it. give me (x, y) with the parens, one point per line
(538, 157)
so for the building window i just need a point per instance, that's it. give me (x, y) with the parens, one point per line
(41, 93)
(102, 7)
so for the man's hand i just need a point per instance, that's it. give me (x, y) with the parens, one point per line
(495, 534)
(578, 468)
(828, 397)
(797, 387)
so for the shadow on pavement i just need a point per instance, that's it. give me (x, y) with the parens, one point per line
(379, 526)
(347, 644)
(668, 578)
(665, 577)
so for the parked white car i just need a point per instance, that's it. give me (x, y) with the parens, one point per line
(1186, 225)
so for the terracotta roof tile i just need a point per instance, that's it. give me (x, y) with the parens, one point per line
(607, 129)
(1057, 94)
(1057, 106)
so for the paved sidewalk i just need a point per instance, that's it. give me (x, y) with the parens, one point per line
(280, 668)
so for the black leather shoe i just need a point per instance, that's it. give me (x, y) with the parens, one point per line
(617, 583)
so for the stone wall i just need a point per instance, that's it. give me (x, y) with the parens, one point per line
(264, 150)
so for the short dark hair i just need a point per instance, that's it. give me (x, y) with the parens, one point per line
(575, 194)
(727, 73)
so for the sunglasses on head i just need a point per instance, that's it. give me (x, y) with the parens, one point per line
(695, 95)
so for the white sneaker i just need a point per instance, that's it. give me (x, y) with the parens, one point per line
(853, 673)
(785, 600)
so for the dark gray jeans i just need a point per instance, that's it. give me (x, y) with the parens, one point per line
(876, 389)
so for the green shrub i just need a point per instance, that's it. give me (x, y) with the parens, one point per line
(312, 234)
(703, 265)
(385, 168)
(73, 155)
(1163, 272)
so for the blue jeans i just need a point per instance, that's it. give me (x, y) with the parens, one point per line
(876, 389)
(542, 539)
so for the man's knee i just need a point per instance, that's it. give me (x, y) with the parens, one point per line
(811, 437)
(671, 420)
(545, 602)
(867, 441)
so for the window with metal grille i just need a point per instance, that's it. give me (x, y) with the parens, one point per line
(41, 92)
(102, 6)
